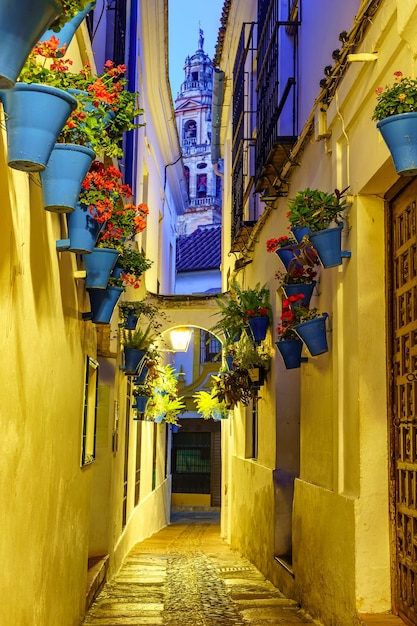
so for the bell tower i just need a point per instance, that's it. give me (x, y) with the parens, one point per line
(193, 115)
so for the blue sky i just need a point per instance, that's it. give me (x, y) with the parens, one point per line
(185, 17)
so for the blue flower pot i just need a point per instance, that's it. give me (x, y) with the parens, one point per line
(63, 177)
(140, 403)
(131, 320)
(22, 23)
(328, 245)
(299, 232)
(290, 350)
(35, 115)
(132, 359)
(229, 361)
(140, 374)
(102, 303)
(67, 32)
(99, 265)
(287, 256)
(259, 326)
(117, 271)
(313, 334)
(83, 230)
(400, 135)
(304, 288)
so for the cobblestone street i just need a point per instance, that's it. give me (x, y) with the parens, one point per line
(185, 575)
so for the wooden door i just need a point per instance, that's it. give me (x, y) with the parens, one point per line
(403, 441)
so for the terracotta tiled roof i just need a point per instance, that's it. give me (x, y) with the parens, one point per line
(201, 250)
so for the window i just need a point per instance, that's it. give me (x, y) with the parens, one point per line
(191, 462)
(88, 452)
(190, 129)
(210, 348)
(252, 430)
(187, 178)
(201, 185)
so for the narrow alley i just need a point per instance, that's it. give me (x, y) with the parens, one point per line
(186, 575)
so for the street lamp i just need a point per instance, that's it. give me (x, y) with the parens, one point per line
(180, 338)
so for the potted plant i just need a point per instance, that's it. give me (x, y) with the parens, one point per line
(317, 210)
(298, 280)
(138, 308)
(396, 114)
(209, 406)
(231, 317)
(136, 343)
(125, 222)
(285, 247)
(256, 360)
(300, 323)
(256, 307)
(233, 387)
(165, 404)
(132, 263)
(22, 25)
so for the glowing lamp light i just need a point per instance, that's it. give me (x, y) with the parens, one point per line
(180, 339)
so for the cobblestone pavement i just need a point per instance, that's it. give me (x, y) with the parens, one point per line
(186, 575)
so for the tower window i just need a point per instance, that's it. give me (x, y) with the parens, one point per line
(194, 76)
(190, 129)
(201, 185)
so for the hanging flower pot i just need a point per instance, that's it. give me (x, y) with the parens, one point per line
(131, 320)
(299, 232)
(140, 403)
(140, 374)
(306, 289)
(83, 230)
(22, 23)
(287, 255)
(99, 265)
(229, 361)
(102, 303)
(67, 32)
(328, 244)
(259, 326)
(35, 115)
(400, 135)
(256, 377)
(290, 350)
(132, 359)
(313, 334)
(64, 174)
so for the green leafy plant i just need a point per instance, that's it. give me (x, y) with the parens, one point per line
(231, 318)
(165, 404)
(133, 263)
(316, 209)
(143, 308)
(139, 339)
(70, 8)
(125, 222)
(401, 97)
(248, 355)
(254, 302)
(210, 406)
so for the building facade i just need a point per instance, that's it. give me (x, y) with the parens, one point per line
(319, 475)
(80, 486)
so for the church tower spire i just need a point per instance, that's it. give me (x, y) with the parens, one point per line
(193, 115)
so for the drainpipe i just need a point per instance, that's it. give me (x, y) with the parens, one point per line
(216, 116)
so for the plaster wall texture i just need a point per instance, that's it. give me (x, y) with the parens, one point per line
(340, 514)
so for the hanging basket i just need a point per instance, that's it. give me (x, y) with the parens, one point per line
(99, 265)
(83, 230)
(258, 326)
(290, 350)
(102, 303)
(328, 244)
(35, 115)
(306, 289)
(313, 334)
(67, 32)
(400, 135)
(22, 23)
(133, 357)
(64, 174)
